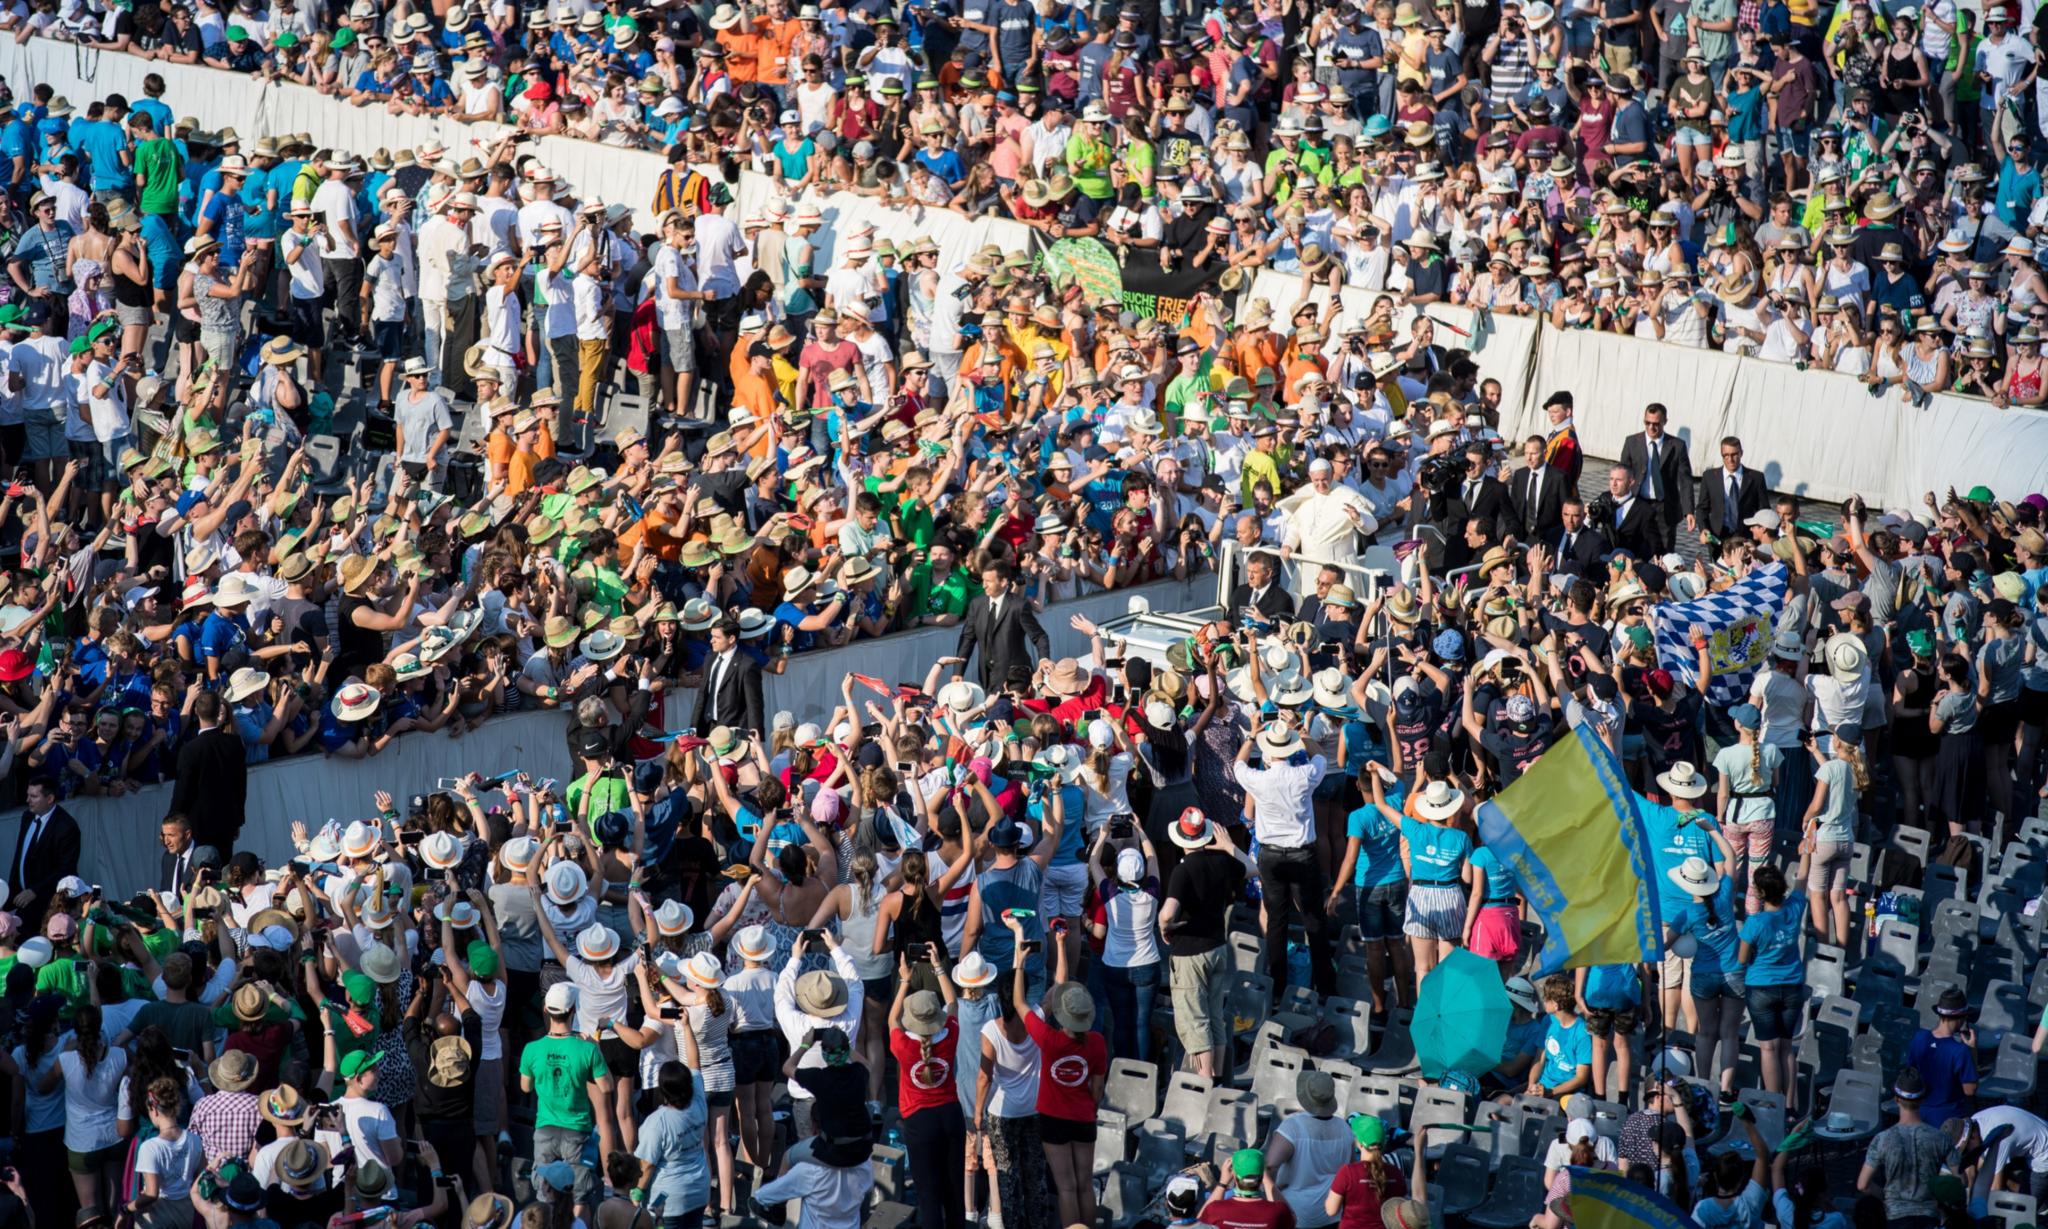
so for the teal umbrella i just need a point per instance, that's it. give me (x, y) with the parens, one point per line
(1461, 1016)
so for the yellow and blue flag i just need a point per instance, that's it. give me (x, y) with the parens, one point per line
(1605, 1200)
(1569, 832)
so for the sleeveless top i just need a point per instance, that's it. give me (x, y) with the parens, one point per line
(926, 924)
(357, 647)
(857, 936)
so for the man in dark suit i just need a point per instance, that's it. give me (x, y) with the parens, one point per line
(1579, 547)
(213, 775)
(1485, 497)
(44, 853)
(1001, 623)
(1729, 495)
(1663, 473)
(1632, 525)
(183, 857)
(1536, 495)
(1260, 590)
(731, 695)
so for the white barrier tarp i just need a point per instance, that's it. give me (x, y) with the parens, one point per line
(120, 834)
(1811, 433)
(603, 172)
(1612, 378)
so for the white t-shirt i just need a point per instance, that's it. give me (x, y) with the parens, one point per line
(501, 319)
(671, 313)
(91, 1099)
(718, 246)
(387, 290)
(336, 205)
(309, 277)
(369, 1123)
(109, 413)
(601, 997)
(175, 1162)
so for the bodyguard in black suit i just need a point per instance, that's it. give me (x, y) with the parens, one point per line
(1261, 591)
(1632, 523)
(1001, 623)
(213, 775)
(1536, 495)
(1663, 473)
(1580, 548)
(183, 857)
(1730, 494)
(1485, 497)
(45, 850)
(731, 695)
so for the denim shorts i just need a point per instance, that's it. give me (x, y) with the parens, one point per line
(1381, 910)
(1791, 141)
(1774, 1011)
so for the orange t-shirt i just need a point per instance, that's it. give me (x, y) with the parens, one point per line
(743, 54)
(776, 42)
(660, 543)
(757, 393)
(1255, 354)
(519, 474)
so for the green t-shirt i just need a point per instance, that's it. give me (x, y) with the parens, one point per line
(157, 169)
(1088, 163)
(562, 1069)
(602, 587)
(949, 596)
(607, 794)
(348, 1037)
(63, 976)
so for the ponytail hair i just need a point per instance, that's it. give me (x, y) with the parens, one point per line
(91, 1042)
(864, 869)
(1859, 771)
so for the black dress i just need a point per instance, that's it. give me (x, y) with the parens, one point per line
(1959, 795)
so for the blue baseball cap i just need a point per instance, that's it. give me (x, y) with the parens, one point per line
(1747, 716)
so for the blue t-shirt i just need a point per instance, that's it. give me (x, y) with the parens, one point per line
(794, 615)
(1613, 987)
(1671, 843)
(1566, 1048)
(1379, 848)
(945, 164)
(1716, 934)
(222, 634)
(159, 114)
(1773, 937)
(1072, 802)
(1525, 1040)
(250, 722)
(672, 1140)
(1103, 497)
(226, 213)
(1436, 856)
(102, 144)
(1946, 1064)
(1500, 881)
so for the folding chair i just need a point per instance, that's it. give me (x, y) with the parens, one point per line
(1517, 1195)
(1352, 1018)
(1187, 1102)
(1132, 1088)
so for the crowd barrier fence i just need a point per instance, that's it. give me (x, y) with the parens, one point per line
(1810, 433)
(120, 849)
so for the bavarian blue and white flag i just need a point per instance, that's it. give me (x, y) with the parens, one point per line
(1739, 623)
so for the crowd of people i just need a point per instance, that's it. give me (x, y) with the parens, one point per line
(728, 962)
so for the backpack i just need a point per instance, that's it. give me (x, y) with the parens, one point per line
(1962, 853)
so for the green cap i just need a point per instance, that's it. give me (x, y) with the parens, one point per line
(360, 989)
(483, 960)
(101, 329)
(359, 1061)
(1921, 642)
(286, 39)
(342, 39)
(1368, 1130)
(237, 34)
(1980, 494)
(11, 317)
(80, 345)
(1248, 1163)
(1638, 635)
